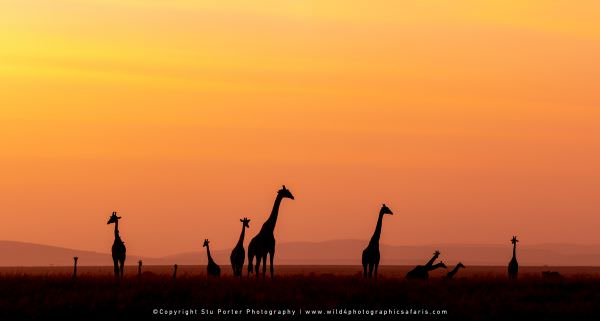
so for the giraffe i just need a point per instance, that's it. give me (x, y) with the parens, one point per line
(212, 269)
(452, 273)
(513, 266)
(238, 255)
(175, 271)
(139, 269)
(264, 242)
(75, 258)
(421, 272)
(370, 255)
(118, 247)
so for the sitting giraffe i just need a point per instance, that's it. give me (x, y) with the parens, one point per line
(421, 272)
(452, 273)
(212, 269)
(238, 255)
(513, 266)
(118, 247)
(370, 255)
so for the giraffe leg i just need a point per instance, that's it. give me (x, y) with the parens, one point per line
(365, 270)
(116, 267)
(122, 265)
(250, 258)
(264, 265)
(376, 266)
(370, 270)
(257, 266)
(271, 255)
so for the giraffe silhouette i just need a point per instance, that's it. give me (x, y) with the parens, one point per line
(139, 269)
(452, 273)
(212, 269)
(175, 271)
(421, 272)
(238, 255)
(75, 267)
(513, 266)
(118, 247)
(370, 255)
(264, 242)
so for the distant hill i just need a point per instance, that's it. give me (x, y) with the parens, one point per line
(335, 252)
(29, 254)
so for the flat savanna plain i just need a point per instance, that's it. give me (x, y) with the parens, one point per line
(477, 293)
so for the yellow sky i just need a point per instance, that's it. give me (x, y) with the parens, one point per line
(473, 120)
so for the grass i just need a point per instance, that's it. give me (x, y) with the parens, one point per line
(100, 297)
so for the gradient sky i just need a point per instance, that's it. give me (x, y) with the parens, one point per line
(473, 120)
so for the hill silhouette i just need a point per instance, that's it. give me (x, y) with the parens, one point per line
(335, 252)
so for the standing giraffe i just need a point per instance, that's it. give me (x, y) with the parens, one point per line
(118, 247)
(174, 271)
(238, 255)
(139, 269)
(212, 269)
(513, 266)
(75, 267)
(371, 256)
(264, 242)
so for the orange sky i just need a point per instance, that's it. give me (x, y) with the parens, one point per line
(472, 121)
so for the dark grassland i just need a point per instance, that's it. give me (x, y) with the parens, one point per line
(97, 296)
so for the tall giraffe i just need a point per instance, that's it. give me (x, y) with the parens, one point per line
(371, 256)
(264, 242)
(118, 247)
(212, 269)
(238, 255)
(513, 266)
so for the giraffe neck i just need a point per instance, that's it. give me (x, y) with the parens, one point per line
(377, 234)
(272, 220)
(514, 250)
(117, 230)
(433, 267)
(454, 270)
(241, 240)
(210, 260)
(430, 263)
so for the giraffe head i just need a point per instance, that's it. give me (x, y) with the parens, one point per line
(285, 193)
(245, 222)
(514, 240)
(205, 243)
(436, 253)
(442, 265)
(460, 265)
(113, 218)
(385, 210)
